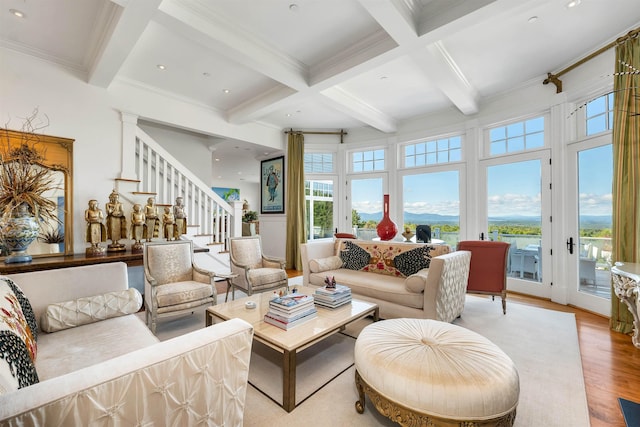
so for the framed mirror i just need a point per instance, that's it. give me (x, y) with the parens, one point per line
(56, 156)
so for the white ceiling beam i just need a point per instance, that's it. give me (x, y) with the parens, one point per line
(125, 28)
(344, 101)
(194, 20)
(395, 16)
(442, 70)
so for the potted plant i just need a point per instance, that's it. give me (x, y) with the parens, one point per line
(24, 183)
(250, 216)
(54, 237)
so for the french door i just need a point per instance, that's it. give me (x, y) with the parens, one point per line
(588, 255)
(516, 208)
(321, 207)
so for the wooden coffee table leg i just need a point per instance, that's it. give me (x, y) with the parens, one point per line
(289, 380)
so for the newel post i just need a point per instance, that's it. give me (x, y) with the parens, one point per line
(128, 161)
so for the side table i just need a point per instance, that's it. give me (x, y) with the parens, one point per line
(228, 278)
(626, 284)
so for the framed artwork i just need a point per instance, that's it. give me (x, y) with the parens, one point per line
(228, 194)
(272, 185)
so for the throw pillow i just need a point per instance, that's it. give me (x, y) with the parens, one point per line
(81, 311)
(17, 343)
(354, 257)
(325, 264)
(27, 310)
(410, 262)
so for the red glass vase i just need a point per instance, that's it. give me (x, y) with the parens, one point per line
(386, 229)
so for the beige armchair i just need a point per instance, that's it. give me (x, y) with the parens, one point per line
(173, 284)
(254, 271)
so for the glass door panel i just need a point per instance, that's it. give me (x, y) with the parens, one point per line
(515, 211)
(590, 181)
(439, 207)
(320, 209)
(366, 205)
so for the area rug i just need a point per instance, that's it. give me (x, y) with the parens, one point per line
(542, 343)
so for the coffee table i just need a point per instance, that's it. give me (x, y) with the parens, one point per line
(296, 339)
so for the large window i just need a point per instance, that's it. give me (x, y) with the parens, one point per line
(442, 150)
(519, 136)
(599, 114)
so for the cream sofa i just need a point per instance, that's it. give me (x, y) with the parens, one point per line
(115, 371)
(395, 275)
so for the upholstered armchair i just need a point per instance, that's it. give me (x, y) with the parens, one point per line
(173, 284)
(254, 271)
(488, 269)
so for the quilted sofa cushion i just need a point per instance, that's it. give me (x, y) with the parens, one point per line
(81, 311)
(18, 334)
(389, 258)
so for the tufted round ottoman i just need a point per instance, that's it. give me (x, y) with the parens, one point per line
(426, 372)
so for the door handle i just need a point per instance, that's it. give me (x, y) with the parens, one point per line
(570, 245)
(481, 236)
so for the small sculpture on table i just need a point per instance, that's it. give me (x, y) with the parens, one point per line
(116, 223)
(330, 281)
(96, 231)
(138, 228)
(408, 234)
(180, 218)
(168, 224)
(152, 219)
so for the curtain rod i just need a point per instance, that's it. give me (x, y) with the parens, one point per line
(342, 133)
(553, 78)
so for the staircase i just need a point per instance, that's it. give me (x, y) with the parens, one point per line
(211, 220)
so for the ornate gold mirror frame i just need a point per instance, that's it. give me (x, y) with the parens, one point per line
(57, 157)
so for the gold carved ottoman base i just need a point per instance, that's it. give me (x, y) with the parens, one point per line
(420, 372)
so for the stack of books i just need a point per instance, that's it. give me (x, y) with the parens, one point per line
(290, 310)
(332, 297)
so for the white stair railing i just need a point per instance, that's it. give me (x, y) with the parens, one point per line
(162, 174)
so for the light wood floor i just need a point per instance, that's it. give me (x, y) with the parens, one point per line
(610, 362)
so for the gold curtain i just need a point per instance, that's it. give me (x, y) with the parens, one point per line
(296, 200)
(626, 169)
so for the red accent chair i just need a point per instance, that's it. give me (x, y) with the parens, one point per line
(488, 269)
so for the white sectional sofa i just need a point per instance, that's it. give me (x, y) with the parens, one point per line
(404, 279)
(111, 370)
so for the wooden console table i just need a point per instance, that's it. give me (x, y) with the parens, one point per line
(51, 263)
(626, 284)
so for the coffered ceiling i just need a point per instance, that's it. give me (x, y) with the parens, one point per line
(317, 64)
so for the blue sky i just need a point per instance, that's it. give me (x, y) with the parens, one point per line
(514, 189)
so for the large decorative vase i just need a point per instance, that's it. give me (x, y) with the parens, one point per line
(18, 233)
(386, 229)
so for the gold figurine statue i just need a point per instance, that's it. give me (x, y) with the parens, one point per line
(180, 217)
(138, 228)
(96, 231)
(116, 223)
(168, 224)
(152, 219)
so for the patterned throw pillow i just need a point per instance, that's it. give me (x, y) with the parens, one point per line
(354, 257)
(17, 341)
(410, 262)
(27, 310)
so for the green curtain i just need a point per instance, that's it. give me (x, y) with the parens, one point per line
(296, 200)
(626, 169)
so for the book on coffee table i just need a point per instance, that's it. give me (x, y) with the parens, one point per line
(287, 324)
(332, 297)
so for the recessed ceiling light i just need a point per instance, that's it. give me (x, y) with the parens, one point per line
(206, 74)
(293, 7)
(217, 160)
(161, 67)
(573, 3)
(226, 91)
(288, 114)
(532, 19)
(17, 13)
